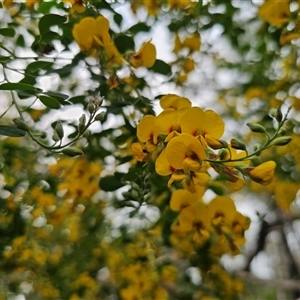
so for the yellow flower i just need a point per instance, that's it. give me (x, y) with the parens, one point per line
(147, 133)
(275, 12)
(222, 210)
(145, 57)
(91, 33)
(262, 174)
(185, 152)
(137, 149)
(77, 6)
(196, 217)
(112, 54)
(167, 122)
(174, 102)
(181, 199)
(192, 42)
(207, 123)
(286, 38)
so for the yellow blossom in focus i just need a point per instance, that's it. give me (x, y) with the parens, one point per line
(207, 124)
(185, 152)
(147, 133)
(174, 102)
(275, 12)
(262, 174)
(145, 57)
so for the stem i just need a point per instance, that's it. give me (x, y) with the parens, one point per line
(266, 145)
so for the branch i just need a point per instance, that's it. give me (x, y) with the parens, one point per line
(286, 284)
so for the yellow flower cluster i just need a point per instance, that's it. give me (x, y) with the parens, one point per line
(92, 36)
(219, 220)
(186, 137)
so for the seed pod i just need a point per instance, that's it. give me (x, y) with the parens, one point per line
(254, 127)
(282, 141)
(72, 151)
(59, 129)
(21, 124)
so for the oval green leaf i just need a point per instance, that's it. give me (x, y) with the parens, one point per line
(49, 101)
(8, 32)
(110, 183)
(124, 43)
(17, 86)
(161, 67)
(11, 131)
(49, 20)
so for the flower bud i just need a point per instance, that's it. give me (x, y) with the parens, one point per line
(72, 151)
(126, 194)
(135, 186)
(237, 144)
(135, 195)
(256, 147)
(81, 125)
(255, 161)
(262, 174)
(100, 116)
(272, 112)
(278, 115)
(282, 141)
(59, 129)
(282, 131)
(222, 154)
(254, 127)
(91, 107)
(55, 137)
(86, 134)
(21, 124)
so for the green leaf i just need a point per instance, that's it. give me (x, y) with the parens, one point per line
(50, 36)
(118, 18)
(49, 20)
(57, 95)
(8, 32)
(11, 131)
(110, 183)
(161, 67)
(139, 27)
(36, 66)
(124, 43)
(17, 86)
(5, 59)
(49, 101)
(60, 97)
(20, 41)
(77, 99)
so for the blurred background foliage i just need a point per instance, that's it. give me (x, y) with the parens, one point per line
(100, 226)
